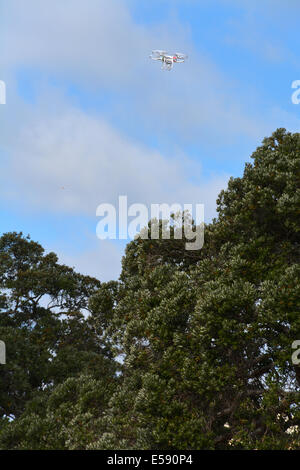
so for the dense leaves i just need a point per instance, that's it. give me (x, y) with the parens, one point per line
(42, 324)
(205, 336)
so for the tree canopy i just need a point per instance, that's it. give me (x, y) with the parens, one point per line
(205, 336)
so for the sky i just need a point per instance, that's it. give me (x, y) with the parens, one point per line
(89, 117)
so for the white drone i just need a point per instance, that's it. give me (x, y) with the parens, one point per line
(168, 60)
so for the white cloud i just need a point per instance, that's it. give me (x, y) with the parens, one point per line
(102, 260)
(95, 41)
(64, 160)
(97, 45)
(53, 145)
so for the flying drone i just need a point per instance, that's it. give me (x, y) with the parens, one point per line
(168, 60)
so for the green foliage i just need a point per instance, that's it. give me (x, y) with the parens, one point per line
(205, 336)
(67, 418)
(48, 340)
(207, 339)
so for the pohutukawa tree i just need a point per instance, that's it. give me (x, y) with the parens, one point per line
(206, 336)
(48, 340)
(207, 340)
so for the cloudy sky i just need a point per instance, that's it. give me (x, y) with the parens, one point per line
(89, 117)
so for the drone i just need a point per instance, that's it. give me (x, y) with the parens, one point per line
(168, 60)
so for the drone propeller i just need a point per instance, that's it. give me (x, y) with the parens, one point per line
(157, 52)
(181, 56)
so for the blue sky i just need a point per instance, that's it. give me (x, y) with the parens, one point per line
(89, 117)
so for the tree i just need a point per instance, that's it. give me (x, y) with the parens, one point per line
(207, 341)
(65, 417)
(206, 336)
(48, 339)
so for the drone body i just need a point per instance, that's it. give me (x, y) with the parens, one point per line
(168, 60)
